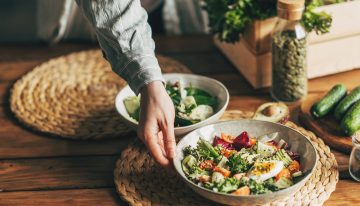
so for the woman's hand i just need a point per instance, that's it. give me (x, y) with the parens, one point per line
(156, 125)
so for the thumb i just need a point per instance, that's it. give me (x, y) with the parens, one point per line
(167, 128)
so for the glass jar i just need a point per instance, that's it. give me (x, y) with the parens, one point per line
(289, 48)
(354, 162)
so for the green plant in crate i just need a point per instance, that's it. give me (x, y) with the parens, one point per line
(229, 18)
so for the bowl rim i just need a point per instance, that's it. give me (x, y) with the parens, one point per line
(308, 175)
(169, 75)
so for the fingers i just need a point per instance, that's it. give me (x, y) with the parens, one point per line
(167, 128)
(152, 142)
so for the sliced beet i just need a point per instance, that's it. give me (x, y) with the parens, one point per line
(242, 141)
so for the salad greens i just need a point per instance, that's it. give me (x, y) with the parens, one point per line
(241, 165)
(192, 105)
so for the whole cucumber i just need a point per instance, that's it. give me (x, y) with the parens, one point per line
(346, 103)
(351, 121)
(328, 102)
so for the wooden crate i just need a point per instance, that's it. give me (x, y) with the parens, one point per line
(336, 51)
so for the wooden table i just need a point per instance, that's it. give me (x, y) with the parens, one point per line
(36, 169)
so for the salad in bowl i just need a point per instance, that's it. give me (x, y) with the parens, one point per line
(247, 162)
(192, 105)
(198, 101)
(242, 165)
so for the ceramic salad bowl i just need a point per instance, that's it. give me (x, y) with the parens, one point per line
(298, 143)
(211, 86)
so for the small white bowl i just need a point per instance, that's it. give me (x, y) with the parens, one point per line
(212, 86)
(298, 143)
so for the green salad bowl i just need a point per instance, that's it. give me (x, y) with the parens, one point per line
(298, 143)
(212, 86)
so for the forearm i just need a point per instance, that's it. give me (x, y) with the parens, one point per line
(125, 37)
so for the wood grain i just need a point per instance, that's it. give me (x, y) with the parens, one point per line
(40, 52)
(323, 84)
(4, 92)
(18, 141)
(327, 128)
(74, 197)
(346, 193)
(12, 70)
(57, 173)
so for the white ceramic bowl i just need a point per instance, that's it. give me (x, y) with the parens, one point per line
(212, 86)
(298, 143)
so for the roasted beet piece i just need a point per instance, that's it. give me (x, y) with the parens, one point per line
(242, 141)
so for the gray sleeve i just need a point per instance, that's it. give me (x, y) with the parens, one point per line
(125, 37)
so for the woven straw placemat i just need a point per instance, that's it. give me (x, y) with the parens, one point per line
(139, 181)
(73, 96)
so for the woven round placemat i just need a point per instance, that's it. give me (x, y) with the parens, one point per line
(141, 182)
(73, 96)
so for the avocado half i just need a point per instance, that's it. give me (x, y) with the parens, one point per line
(276, 112)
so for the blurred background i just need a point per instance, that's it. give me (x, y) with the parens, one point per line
(56, 20)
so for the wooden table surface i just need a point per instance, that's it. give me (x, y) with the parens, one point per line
(36, 169)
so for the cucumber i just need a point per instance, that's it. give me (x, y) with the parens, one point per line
(351, 121)
(346, 103)
(297, 174)
(328, 102)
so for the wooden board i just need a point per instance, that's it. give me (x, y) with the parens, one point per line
(327, 128)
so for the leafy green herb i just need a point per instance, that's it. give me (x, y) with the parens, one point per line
(193, 152)
(320, 22)
(238, 164)
(230, 18)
